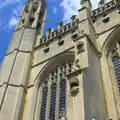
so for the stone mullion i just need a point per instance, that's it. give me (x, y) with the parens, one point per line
(48, 98)
(68, 90)
(69, 99)
(57, 95)
(65, 73)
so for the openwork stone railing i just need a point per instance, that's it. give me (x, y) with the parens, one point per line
(110, 5)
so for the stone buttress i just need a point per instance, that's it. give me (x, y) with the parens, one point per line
(17, 62)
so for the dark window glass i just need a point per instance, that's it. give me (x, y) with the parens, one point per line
(62, 101)
(52, 102)
(57, 82)
(116, 63)
(43, 104)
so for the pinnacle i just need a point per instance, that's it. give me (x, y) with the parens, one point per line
(33, 0)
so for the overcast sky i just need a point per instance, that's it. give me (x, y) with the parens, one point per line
(57, 10)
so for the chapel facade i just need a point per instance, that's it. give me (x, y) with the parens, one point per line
(72, 73)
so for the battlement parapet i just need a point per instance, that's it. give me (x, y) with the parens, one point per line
(61, 30)
(105, 7)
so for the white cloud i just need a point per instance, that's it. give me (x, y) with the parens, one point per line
(95, 3)
(12, 22)
(14, 17)
(15, 12)
(55, 9)
(6, 2)
(71, 7)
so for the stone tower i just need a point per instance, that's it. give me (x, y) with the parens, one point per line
(72, 73)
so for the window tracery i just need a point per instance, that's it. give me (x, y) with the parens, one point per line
(55, 85)
(116, 62)
(43, 103)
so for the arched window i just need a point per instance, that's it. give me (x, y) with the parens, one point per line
(116, 63)
(54, 93)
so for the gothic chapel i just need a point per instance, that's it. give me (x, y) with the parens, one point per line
(72, 73)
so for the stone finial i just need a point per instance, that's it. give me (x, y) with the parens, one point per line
(86, 3)
(73, 18)
(102, 2)
(48, 33)
(60, 25)
(33, 0)
(50, 30)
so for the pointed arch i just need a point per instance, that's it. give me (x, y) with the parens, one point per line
(111, 39)
(53, 86)
(53, 63)
(110, 71)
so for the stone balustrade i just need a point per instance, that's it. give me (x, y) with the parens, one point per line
(110, 5)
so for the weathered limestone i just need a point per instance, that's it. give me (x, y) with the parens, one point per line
(2, 93)
(17, 64)
(7, 63)
(16, 40)
(12, 104)
(75, 100)
(82, 52)
(30, 106)
(54, 49)
(92, 86)
(111, 106)
(28, 40)
(86, 25)
(23, 69)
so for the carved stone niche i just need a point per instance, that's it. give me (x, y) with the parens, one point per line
(74, 82)
(31, 19)
(74, 86)
(80, 47)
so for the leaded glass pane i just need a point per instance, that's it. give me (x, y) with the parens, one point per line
(43, 104)
(116, 63)
(57, 98)
(62, 101)
(52, 101)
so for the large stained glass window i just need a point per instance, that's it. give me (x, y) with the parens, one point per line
(52, 101)
(62, 102)
(116, 63)
(43, 104)
(57, 97)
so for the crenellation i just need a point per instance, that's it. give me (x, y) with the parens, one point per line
(73, 18)
(62, 29)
